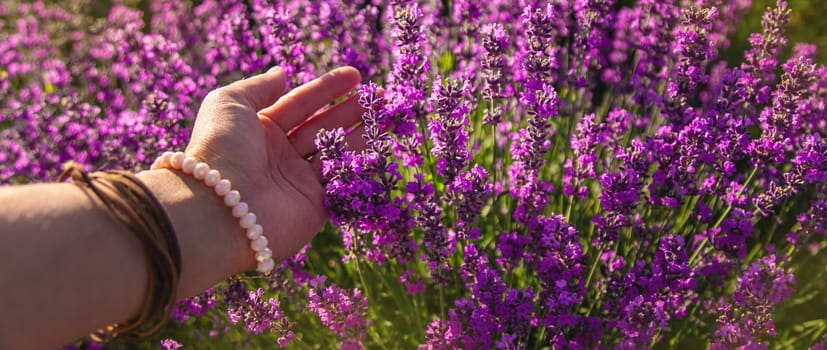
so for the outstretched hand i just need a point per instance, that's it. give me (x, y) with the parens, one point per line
(258, 139)
(263, 142)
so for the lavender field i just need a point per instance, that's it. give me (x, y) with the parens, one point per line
(562, 174)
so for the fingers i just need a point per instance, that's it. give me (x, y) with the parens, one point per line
(355, 139)
(343, 115)
(316, 164)
(293, 108)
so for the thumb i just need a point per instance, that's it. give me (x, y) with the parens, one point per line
(255, 93)
(231, 110)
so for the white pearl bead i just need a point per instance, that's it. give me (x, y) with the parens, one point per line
(259, 243)
(154, 165)
(266, 266)
(177, 160)
(212, 178)
(264, 254)
(188, 165)
(223, 187)
(232, 198)
(163, 160)
(201, 170)
(240, 209)
(248, 220)
(254, 232)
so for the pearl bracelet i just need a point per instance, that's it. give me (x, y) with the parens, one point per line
(232, 198)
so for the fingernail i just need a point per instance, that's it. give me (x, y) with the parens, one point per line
(274, 70)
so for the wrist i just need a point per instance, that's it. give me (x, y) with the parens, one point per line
(213, 247)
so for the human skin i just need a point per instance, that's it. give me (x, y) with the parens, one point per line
(68, 268)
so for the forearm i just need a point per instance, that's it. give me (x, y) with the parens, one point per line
(69, 268)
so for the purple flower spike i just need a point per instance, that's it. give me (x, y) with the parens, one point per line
(469, 191)
(449, 127)
(495, 41)
(342, 311)
(762, 58)
(746, 322)
(169, 344)
(259, 315)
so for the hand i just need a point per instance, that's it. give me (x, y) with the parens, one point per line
(261, 141)
(255, 137)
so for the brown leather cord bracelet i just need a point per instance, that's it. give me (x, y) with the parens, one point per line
(132, 204)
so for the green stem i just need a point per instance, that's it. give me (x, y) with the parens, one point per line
(371, 331)
(693, 260)
(591, 271)
(588, 283)
(540, 341)
(441, 302)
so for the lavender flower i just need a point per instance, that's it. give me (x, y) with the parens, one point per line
(198, 305)
(438, 243)
(495, 42)
(647, 29)
(407, 90)
(359, 190)
(342, 311)
(169, 344)
(695, 49)
(285, 46)
(470, 191)
(466, 17)
(591, 38)
(449, 127)
(234, 47)
(442, 335)
(630, 180)
(257, 314)
(762, 58)
(784, 119)
(809, 167)
(764, 286)
(541, 103)
(584, 144)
